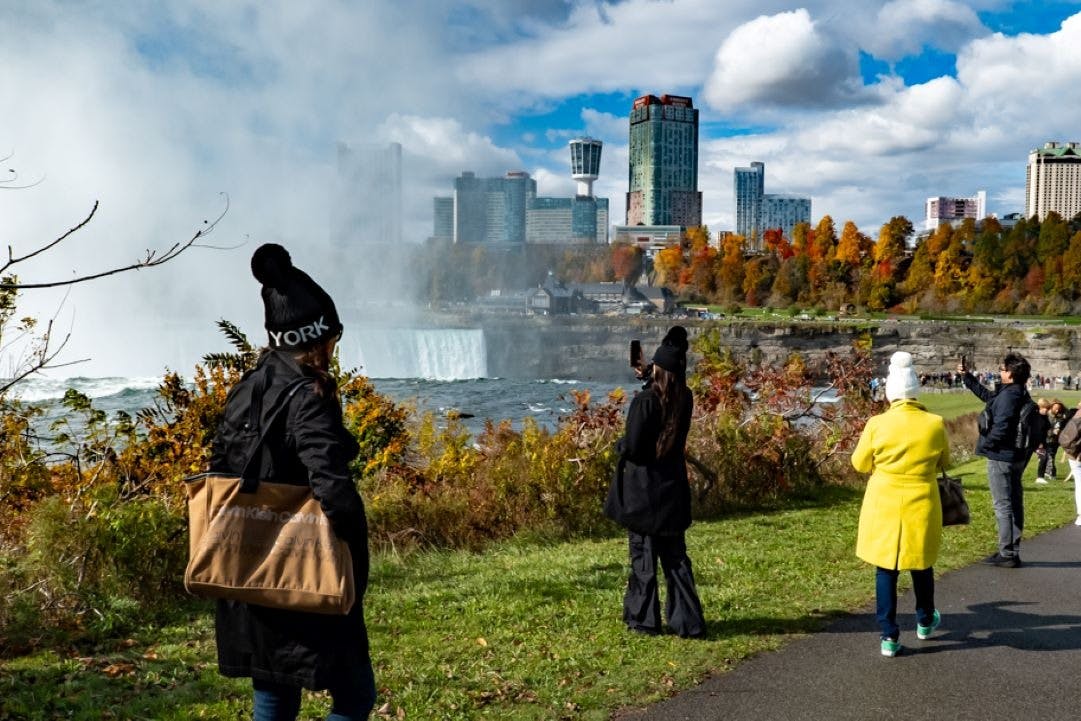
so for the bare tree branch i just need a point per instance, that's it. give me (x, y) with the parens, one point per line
(152, 258)
(13, 260)
(41, 358)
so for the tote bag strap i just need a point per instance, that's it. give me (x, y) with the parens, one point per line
(249, 477)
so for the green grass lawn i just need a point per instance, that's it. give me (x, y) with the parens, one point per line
(533, 630)
(957, 402)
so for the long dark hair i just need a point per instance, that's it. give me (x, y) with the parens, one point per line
(671, 392)
(317, 359)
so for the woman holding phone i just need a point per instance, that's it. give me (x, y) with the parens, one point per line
(654, 467)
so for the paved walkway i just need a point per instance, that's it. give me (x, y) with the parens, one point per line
(1009, 647)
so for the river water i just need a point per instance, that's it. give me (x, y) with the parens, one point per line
(544, 400)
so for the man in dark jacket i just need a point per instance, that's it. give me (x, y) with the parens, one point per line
(1005, 462)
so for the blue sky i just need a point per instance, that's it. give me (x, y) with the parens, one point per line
(155, 109)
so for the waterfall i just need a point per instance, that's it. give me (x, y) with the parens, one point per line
(437, 354)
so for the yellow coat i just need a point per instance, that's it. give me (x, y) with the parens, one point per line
(901, 518)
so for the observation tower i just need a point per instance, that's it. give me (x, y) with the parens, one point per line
(585, 163)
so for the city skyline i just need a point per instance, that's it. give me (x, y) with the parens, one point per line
(156, 109)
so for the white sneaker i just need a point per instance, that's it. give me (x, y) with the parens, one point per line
(1041, 481)
(1078, 521)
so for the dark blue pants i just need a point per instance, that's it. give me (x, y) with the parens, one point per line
(642, 603)
(353, 701)
(923, 585)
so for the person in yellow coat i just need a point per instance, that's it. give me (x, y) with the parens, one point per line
(901, 518)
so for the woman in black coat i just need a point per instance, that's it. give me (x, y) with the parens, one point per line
(284, 651)
(655, 469)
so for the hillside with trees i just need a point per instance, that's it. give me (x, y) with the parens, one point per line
(1032, 267)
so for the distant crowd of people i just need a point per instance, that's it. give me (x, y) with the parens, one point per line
(952, 380)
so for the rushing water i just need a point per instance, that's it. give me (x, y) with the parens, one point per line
(478, 399)
(438, 370)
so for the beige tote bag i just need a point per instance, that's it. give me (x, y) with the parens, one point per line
(273, 547)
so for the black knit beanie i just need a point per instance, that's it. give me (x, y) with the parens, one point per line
(676, 337)
(298, 313)
(671, 358)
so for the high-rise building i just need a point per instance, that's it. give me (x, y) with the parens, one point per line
(750, 186)
(369, 198)
(492, 210)
(663, 172)
(782, 212)
(954, 210)
(443, 219)
(581, 219)
(507, 209)
(757, 211)
(1053, 180)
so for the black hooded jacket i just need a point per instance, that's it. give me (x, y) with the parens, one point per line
(658, 491)
(308, 444)
(997, 444)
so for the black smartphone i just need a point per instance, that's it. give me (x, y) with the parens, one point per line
(636, 354)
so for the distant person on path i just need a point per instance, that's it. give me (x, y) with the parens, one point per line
(652, 456)
(1056, 420)
(1005, 462)
(1070, 440)
(900, 526)
(284, 651)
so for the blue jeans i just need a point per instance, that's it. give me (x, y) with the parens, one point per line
(1004, 479)
(923, 585)
(352, 701)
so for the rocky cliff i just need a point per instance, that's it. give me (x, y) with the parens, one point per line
(592, 347)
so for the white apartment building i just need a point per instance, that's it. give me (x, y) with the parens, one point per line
(1053, 180)
(945, 209)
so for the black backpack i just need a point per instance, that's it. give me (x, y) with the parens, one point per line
(1031, 427)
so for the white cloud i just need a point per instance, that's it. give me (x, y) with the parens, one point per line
(782, 60)
(447, 145)
(654, 46)
(553, 184)
(903, 27)
(604, 125)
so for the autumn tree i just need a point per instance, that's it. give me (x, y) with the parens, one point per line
(627, 262)
(1053, 239)
(824, 243)
(730, 267)
(758, 276)
(695, 238)
(1071, 269)
(702, 270)
(888, 254)
(950, 272)
(668, 263)
(790, 282)
(801, 238)
(983, 269)
(853, 249)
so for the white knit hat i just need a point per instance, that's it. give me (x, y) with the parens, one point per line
(902, 381)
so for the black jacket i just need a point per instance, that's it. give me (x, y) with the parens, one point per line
(657, 485)
(308, 444)
(999, 443)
